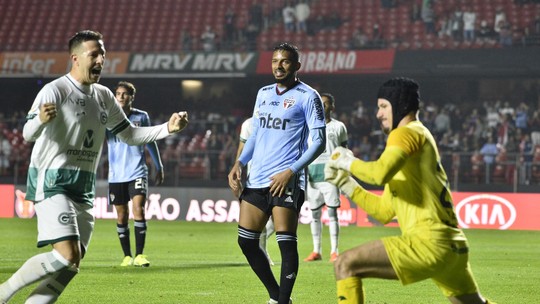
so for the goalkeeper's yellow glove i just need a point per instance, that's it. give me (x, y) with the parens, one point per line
(342, 158)
(341, 178)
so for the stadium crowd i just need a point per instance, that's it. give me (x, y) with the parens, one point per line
(479, 130)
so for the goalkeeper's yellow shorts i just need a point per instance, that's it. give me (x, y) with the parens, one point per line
(446, 262)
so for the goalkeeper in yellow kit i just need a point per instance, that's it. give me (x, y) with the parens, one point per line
(416, 191)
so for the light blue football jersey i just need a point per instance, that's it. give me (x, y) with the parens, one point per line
(281, 131)
(127, 163)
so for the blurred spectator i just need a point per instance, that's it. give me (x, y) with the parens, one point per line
(365, 148)
(360, 39)
(428, 17)
(457, 25)
(469, 24)
(507, 109)
(532, 32)
(485, 33)
(526, 150)
(214, 147)
(251, 33)
(522, 117)
(256, 15)
(334, 21)
(445, 27)
(208, 39)
(415, 10)
(500, 18)
(289, 16)
(534, 128)
(186, 41)
(489, 150)
(5, 154)
(229, 29)
(441, 124)
(302, 12)
(377, 39)
(506, 34)
(504, 129)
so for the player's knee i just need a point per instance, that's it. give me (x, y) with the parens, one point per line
(316, 214)
(342, 266)
(332, 213)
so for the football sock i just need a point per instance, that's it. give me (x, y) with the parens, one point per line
(50, 289)
(140, 236)
(33, 270)
(288, 246)
(316, 230)
(123, 236)
(350, 291)
(334, 229)
(248, 241)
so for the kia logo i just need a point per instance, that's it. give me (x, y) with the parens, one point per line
(483, 210)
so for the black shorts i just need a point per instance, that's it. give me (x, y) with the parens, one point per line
(121, 193)
(262, 199)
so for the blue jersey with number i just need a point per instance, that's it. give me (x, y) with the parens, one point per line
(281, 129)
(127, 163)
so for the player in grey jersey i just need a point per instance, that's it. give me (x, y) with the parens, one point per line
(67, 122)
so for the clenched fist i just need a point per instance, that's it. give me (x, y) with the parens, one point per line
(178, 122)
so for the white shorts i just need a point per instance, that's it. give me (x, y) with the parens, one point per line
(322, 193)
(59, 218)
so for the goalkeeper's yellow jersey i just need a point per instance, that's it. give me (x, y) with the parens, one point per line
(416, 188)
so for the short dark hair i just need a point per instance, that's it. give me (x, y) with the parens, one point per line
(330, 97)
(285, 46)
(83, 36)
(128, 86)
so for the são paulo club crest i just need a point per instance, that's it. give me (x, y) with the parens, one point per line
(287, 103)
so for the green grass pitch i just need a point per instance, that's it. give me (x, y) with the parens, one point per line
(194, 263)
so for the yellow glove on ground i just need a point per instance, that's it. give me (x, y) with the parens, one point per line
(341, 178)
(341, 158)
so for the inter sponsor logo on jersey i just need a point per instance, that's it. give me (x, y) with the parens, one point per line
(270, 122)
(287, 103)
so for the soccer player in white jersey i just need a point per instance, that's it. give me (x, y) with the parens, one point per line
(285, 115)
(128, 178)
(416, 191)
(321, 192)
(245, 131)
(67, 122)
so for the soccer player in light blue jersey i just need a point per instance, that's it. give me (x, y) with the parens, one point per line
(128, 178)
(285, 115)
(67, 122)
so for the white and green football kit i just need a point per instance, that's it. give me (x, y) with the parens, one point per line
(67, 150)
(319, 191)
